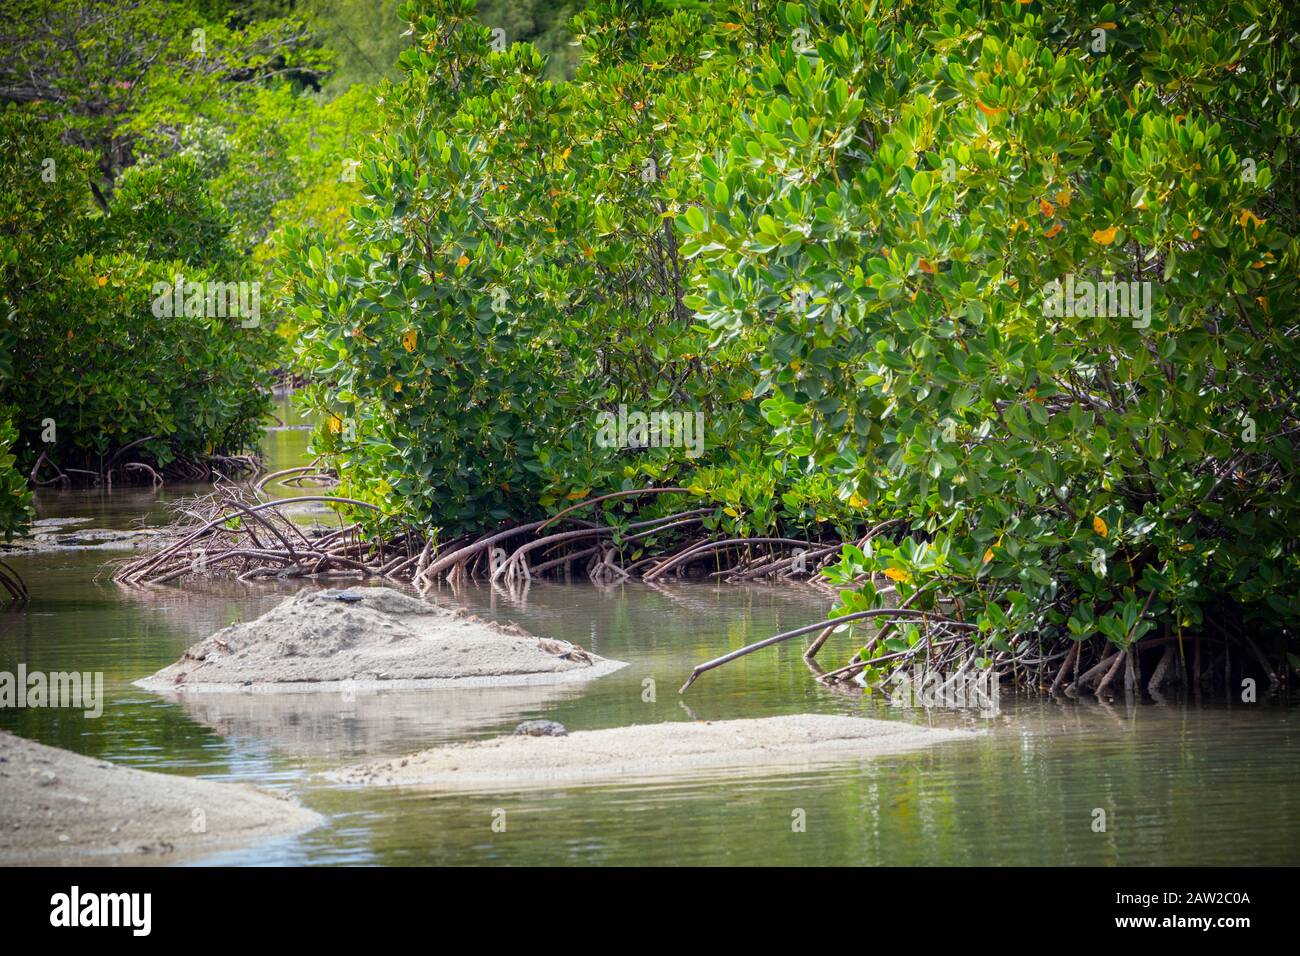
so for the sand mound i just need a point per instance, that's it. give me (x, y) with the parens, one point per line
(673, 749)
(369, 637)
(57, 806)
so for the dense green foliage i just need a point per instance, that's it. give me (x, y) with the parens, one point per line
(145, 142)
(99, 369)
(871, 204)
(924, 177)
(15, 499)
(513, 279)
(368, 36)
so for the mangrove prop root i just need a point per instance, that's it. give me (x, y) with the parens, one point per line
(1117, 660)
(713, 546)
(811, 653)
(234, 533)
(13, 583)
(809, 628)
(1160, 676)
(461, 555)
(1070, 660)
(1083, 683)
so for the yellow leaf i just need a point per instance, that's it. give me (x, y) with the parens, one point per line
(926, 267)
(578, 495)
(732, 511)
(1105, 236)
(1245, 217)
(463, 261)
(894, 574)
(1185, 547)
(1108, 25)
(1099, 526)
(1053, 231)
(336, 424)
(103, 280)
(988, 555)
(988, 110)
(1063, 197)
(1046, 208)
(857, 501)
(409, 338)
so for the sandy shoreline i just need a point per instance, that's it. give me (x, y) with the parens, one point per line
(59, 807)
(367, 639)
(668, 750)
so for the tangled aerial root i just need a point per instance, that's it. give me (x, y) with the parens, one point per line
(209, 468)
(237, 532)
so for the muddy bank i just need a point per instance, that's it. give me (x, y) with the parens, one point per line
(365, 638)
(675, 749)
(60, 807)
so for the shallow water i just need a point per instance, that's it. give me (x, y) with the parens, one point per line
(1180, 784)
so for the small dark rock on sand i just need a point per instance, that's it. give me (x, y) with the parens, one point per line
(541, 728)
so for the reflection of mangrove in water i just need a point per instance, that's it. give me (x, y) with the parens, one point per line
(199, 610)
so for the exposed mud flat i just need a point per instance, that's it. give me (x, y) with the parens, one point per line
(366, 638)
(60, 807)
(669, 750)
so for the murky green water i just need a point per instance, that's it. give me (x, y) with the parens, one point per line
(1179, 784)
